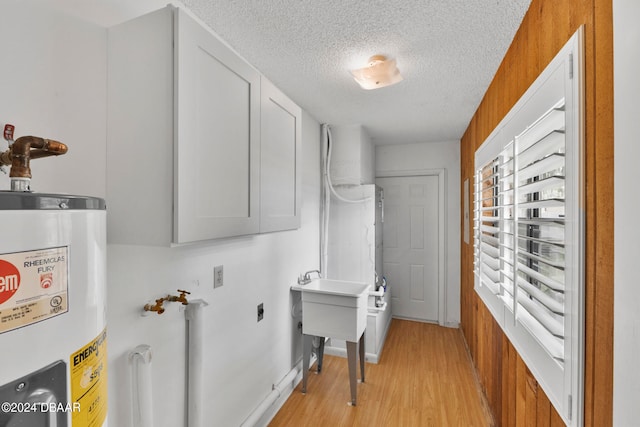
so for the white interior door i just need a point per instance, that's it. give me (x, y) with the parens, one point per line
(410, 245)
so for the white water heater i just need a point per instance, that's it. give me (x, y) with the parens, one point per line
(53, 336)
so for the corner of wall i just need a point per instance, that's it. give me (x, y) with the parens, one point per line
(367, 159)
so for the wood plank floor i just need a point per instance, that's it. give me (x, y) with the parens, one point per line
(424, 378)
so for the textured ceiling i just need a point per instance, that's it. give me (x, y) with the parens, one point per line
(447, 51)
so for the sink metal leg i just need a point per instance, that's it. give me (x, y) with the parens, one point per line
(362, 354)
(320, 353)
(352, 351)
(306, 359)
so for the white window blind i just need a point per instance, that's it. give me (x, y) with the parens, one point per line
(540, 177)
(528, 229)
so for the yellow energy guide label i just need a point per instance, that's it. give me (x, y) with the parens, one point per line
(88, 368)
(33, 286)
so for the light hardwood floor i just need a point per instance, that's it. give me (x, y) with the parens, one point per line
(424, 378)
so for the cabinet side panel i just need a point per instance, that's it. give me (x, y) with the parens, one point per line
(140, 130)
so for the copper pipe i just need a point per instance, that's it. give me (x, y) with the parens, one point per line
(26, 148)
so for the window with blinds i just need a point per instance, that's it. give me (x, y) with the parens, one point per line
(539, 224)
(528, 229)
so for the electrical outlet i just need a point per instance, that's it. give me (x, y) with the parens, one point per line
(218, 276)
(260, 311)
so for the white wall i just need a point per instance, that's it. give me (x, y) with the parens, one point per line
(243, 358)
(367, 159)
(626, 381)
(105, 13)
(53, 84)
(435, 155)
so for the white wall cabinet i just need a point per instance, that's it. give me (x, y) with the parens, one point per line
(280, 177)
(183, 151)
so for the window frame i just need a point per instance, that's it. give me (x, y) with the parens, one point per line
(562, 79)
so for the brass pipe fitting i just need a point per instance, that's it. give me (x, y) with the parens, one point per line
(159, 308)
(181, 299)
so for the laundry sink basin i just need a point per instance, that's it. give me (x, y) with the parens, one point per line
(334, 308)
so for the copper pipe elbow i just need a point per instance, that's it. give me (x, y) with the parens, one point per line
(26, 148)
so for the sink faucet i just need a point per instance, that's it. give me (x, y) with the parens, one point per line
(306, 277)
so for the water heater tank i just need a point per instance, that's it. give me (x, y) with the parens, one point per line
(53, 336)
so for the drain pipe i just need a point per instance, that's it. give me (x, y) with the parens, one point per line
(193, 315)
(276, 392)
(141, 385)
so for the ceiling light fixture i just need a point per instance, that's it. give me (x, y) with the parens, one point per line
(380, 72)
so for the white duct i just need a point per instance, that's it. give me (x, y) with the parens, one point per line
(327, 172)
(276, 392)
(141, 387)
(193, 315)
(327, 191)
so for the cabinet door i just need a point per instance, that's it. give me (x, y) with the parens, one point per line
(217, 137)
(280, 184)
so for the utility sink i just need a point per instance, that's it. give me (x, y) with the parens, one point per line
(334, 308)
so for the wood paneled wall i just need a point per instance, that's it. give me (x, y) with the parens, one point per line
(512, 393)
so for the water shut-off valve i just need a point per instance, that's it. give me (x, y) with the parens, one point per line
(158, 307)
(20, 153)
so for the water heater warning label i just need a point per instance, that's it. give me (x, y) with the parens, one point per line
(89, 383)
(33, 286)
